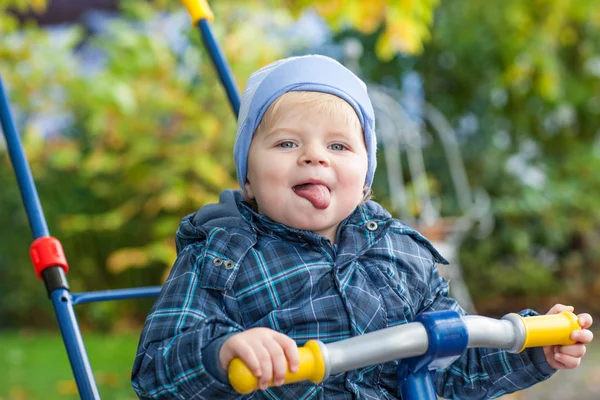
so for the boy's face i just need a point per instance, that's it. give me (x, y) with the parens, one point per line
(308, 169)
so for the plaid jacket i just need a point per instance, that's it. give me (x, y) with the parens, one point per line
(237, 270)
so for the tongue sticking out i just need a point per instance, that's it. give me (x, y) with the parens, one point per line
(317, 194)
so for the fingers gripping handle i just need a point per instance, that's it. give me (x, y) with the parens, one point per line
(312, 367)
(549, 330)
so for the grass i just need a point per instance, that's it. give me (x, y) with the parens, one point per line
(35, 366)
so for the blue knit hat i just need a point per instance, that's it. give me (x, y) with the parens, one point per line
(313, 73)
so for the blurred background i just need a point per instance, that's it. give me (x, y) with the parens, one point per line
(489, 144)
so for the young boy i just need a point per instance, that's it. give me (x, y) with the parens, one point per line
(301, 254)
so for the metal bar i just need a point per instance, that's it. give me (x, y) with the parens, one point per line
(117, 294)
(377, 347)
(60, 297)
(492, 333)
(411, 340)
(220, 63)
(31, 201)
(63, 308)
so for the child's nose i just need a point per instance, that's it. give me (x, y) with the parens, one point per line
(313, 155)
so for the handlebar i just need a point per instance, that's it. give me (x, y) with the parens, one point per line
(311, 367)
(318, 360)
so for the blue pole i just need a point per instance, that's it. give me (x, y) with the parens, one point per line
(419, 386)
(448, 339)
(61, 299)
(115, 294)
(31, 201)
(67, 321)
(220, 63)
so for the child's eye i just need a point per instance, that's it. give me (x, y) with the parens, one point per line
(287, 145)
(337, 147)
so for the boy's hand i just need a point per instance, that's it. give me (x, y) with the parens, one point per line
(568, 357)
(266, 352)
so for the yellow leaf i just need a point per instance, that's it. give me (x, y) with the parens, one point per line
(548, 85)
(398, 38)
(107, 379)
(38, 6)
(18, 393)
(162, 252)
(124, 259)
(66, 388)
(367, 16)
(383, 48)
(139, 257)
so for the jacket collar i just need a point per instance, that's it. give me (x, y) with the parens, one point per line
(361, 221)
(267, 227)
(367, 224)
(356, 234)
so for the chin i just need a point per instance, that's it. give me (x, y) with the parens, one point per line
(303, 226)
(309, 225)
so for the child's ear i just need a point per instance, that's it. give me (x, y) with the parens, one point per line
(248, 193)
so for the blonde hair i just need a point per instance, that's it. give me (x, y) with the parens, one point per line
(313, 101)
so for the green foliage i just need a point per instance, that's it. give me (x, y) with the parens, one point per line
(402, 25)
(141, 147)
(528, 72)
(37, 6)
(526, 76)
(147, 137)
(144, 138)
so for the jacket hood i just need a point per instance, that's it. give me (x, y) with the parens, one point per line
(224, 214)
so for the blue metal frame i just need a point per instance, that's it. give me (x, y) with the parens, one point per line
(221, 65)
(31, 201)
(60, 297)
(116, 294)
(62, 300)
(448, 339)
(80, 364)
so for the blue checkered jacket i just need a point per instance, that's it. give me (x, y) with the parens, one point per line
(237, 269)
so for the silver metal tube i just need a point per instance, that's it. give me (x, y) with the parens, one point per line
(507, 333)
(377, 347)
(410, 340)
(486, 332)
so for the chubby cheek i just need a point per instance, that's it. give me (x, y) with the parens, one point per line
(269, 185)
(351, 187)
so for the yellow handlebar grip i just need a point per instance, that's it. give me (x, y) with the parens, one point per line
(549, 330)
(198, 9)
(312, 367)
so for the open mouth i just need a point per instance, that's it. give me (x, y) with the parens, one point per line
(303, 186)
(317, 193)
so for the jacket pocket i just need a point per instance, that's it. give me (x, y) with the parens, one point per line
(219, 264)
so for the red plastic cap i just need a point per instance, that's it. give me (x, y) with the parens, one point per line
(47, 252)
